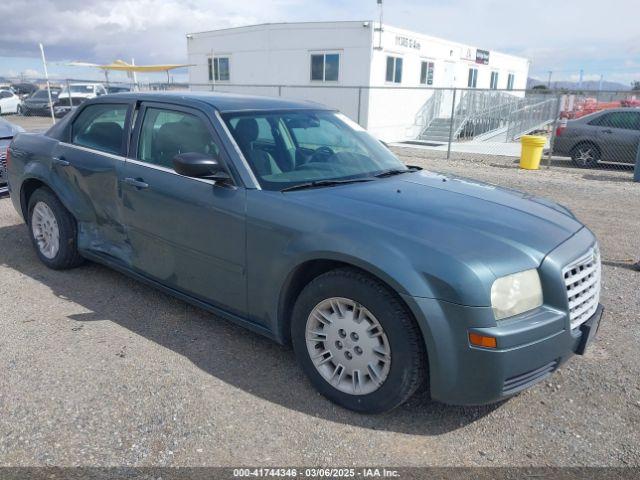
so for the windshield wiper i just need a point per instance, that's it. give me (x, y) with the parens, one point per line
(323, 183)
(396, 171)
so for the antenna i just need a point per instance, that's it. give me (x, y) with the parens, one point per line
(380, 29)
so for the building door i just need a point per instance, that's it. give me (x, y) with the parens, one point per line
(448, 82)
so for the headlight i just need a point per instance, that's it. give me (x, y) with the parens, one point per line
(516, 293)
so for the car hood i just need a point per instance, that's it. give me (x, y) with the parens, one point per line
(77, 95)
(506, 230)
(9, 130)
(39, 101)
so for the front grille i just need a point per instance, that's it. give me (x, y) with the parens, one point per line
(582, 279)
(3, 163)
(522, 381)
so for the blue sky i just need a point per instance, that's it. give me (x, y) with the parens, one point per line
(563, 36)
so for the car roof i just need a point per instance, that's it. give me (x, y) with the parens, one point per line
(223, 102)
(592, 115)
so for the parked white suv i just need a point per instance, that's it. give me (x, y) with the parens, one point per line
(82, 90)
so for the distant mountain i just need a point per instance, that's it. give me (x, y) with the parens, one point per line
(586, 85)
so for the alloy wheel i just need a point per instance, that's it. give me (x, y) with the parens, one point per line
(45, 230)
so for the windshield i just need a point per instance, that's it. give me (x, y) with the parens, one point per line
(44, 95)
(285, 149)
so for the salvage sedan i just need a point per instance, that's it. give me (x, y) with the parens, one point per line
(288, 218)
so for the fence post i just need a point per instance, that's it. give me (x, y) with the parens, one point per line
(552, 140)
(69, 92)
(636, 169)
(453, 113)
(359, 103)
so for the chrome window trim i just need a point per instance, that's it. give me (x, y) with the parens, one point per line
(168, 170)
(93, 150)
(137, 162)
(245, 163)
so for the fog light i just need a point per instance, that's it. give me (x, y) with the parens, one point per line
(482, 341)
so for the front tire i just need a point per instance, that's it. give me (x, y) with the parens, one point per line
(53, 231)
(357, 342)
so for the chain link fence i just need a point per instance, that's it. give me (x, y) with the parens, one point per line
(583, 129)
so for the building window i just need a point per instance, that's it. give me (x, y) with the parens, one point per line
(493, 85)
(219, 69)
(325, 67)
(510, 80)
(394, 69)
(426, 73)
(473, 78)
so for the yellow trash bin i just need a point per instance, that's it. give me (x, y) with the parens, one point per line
(532, 146)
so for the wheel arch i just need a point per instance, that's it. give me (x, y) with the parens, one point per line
(28, 187)
(303, 273)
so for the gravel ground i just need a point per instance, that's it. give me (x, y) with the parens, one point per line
(100, 370)
(36, 123)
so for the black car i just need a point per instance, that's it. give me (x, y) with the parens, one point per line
(7, 132)
(38, 103)
(25, 89)
(63, 106)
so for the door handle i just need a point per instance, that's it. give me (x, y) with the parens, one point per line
(60, 161)
(139, 184)
(607, 131)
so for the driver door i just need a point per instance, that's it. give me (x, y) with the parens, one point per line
(186, 233)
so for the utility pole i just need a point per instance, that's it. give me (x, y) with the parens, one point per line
(581, 77)
(46, 75)
(549, 80)
(601, 79)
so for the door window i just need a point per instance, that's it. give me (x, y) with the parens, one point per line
(100, 127)
(625, 120)
(167, 133)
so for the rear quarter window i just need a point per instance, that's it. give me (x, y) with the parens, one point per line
(100, 127)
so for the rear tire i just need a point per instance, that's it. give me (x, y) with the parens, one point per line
(374, 356)
(585, 155)
(53, 231)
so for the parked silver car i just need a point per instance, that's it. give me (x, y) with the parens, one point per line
(610, 136)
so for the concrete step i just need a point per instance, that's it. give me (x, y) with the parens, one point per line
(435, 138)
(444, 128)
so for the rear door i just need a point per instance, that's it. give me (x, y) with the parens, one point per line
(89, 163)
(618, 135)
(186, 233)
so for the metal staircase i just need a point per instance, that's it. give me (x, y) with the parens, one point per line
(482, 115)
(437, 131)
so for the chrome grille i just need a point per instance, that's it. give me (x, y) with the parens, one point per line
(3, 163)
(582, 279)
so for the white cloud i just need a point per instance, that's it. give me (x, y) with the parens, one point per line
(553, 34)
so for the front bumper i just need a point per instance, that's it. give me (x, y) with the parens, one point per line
(530, 346)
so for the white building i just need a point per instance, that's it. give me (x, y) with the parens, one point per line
(353, 66)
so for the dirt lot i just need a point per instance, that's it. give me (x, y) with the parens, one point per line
(101, 370)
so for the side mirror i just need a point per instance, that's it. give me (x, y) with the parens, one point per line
(198, 165)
